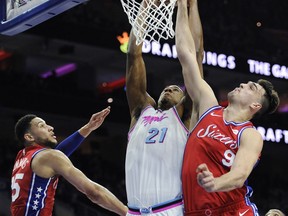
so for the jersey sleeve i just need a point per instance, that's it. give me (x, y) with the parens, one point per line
(70, 144)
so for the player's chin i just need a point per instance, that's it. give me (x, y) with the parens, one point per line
(52, 143)
(54, 140)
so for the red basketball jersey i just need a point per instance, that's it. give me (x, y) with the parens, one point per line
(215, 142)
(31, 194)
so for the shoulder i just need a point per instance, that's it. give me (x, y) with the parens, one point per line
(48, 155)
(252, 131)
(251, 135)
(140, 110)
(48, 162)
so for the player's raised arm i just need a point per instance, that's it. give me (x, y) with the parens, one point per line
(136, 81)
(71, 143)
(199, 91)
(197, 32)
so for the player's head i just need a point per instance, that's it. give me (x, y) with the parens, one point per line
(270, 100)
(260, 97)
(274, 212)
(31, 129)
(170, 96)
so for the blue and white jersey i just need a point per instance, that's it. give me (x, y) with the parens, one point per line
(154, 157)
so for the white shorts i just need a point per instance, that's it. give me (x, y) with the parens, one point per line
(174, 210)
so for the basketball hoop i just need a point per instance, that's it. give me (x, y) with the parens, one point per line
(151, 22)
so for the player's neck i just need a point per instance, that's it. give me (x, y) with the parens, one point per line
(164, 107)
(235, 114)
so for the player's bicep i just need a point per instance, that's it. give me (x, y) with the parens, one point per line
(250, 148)
(63, 166)
(199, 91)
(251, 143)
(207, 99)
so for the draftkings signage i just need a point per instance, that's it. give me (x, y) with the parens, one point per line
(222, 60)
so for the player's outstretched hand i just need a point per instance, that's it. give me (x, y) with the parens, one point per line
(98, 118)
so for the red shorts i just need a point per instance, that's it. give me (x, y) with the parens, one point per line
(237, 208)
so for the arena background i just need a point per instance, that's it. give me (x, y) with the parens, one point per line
(73, 64)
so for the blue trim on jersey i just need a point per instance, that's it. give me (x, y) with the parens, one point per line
(29, 196)
(37, 195)
(177, 199)
(179, 119)
(35, 154)
(235, 123)
(252, 205)
(240, 133)
(159, 205)
(255, 209)
(38, 184)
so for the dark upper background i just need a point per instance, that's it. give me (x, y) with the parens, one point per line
(86, 35)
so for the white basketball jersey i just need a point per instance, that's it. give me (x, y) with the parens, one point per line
(154, 157)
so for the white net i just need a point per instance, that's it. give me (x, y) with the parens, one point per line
(153, 21)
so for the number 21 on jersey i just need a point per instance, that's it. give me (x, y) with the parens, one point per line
(156, 136)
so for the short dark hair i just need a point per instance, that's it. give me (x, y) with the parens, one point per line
(22, 126)
(270, 101)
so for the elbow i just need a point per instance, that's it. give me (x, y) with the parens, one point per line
(238, 184)
(230, 181)
(134, 50)
(179, 48)
(185, 53)
(94, 194)
(133, 56)
(94, 197)
(242, 177)
(182, 54)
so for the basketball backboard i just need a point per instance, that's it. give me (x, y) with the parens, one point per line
(20, 15)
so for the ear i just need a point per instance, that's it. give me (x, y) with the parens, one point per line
(256, 106)
(28, 137)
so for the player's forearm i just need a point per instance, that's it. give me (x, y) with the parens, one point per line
(133, 48)
(107, 200)
(136, 83)
(184, 41)
(197, 32)
(85, 130)
(135, 68)
(230, 181)
(196, 26)
(187, 54)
